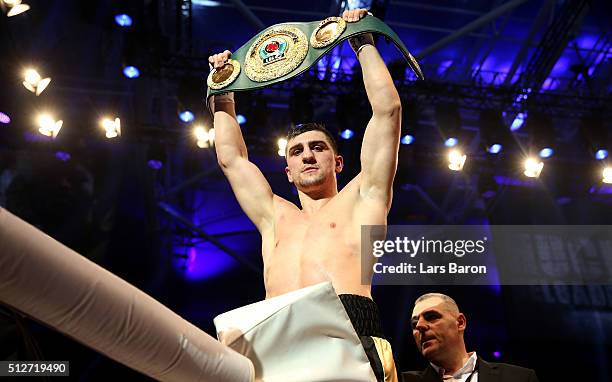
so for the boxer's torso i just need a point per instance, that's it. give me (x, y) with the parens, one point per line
(303, 250)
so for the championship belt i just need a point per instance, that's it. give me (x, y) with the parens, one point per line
(286, 50)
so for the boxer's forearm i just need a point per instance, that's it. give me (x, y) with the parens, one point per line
(379, 86)
(229, 142)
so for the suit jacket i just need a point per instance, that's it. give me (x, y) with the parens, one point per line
(487, 372)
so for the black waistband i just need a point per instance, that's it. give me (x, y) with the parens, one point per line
(364, 315)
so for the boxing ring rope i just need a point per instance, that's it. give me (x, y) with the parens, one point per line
(55, 285)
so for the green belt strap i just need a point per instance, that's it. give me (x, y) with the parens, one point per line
(286, 50)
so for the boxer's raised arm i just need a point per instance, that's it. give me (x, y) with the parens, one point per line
(380, 144)
(248, 183)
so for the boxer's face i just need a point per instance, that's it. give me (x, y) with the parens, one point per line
(437, 328)
(311, 161)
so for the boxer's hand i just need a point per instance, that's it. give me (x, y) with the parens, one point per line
(361, 40)
(219, 59)
(354, 15)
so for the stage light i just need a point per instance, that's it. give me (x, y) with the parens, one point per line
(597, 136)
(495, 148)
(63, 156)
(607, 175)
(201, 136)
(112, 128)
(451, 142)
(497, 354)
(282, 146)
(16, 7)
(601, 154)
(204, 138)
(186, 116)
(34, 83)
(206, 3)
(131, 72)
(546, 152)
(347, 133)
(407, 139)
(241, 119)
(447, 118)
(4, 118)
(123, 20)
(533, 167)
(542, 134)
(48, 126)
(155, 164)
(456, 160)
(518, 121)
(494, 133)
(32, 76)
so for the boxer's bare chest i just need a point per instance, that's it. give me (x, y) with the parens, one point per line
(306, 249)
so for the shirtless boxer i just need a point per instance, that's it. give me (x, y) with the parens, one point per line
(322, 241)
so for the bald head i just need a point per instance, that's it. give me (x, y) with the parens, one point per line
(442, 299)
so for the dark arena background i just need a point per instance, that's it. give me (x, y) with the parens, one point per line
(504, 78)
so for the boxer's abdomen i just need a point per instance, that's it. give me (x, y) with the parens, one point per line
(308, 251)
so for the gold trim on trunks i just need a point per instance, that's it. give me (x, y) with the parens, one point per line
(223, 76)
(275, 53)
(327, 32)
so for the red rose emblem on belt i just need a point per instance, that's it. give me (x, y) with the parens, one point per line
(272, 47)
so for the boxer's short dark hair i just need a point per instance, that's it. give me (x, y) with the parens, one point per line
(296, 130)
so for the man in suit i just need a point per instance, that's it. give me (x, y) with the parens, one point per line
(438, 328)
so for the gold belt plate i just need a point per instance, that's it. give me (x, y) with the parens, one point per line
(327, 32)
(223, 76)
(275, 53)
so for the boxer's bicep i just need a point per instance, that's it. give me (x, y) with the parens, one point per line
(252, 191)
(248, 183)
(379, 152)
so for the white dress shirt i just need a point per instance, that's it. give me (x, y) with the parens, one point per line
(469, 368)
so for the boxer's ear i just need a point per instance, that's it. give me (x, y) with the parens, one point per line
(339, 163)
(288, 172)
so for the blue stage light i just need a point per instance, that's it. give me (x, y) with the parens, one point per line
(347, 134)
(186, 116)
(495, 148)
(123, 20)
(63, 156)
(4, 118)
(407, 139)
(546, 152)
(601, 154)
(451, 142)
(206, 3)
(155, 164)
(131, 72)
(518, 122)
(241, 119)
